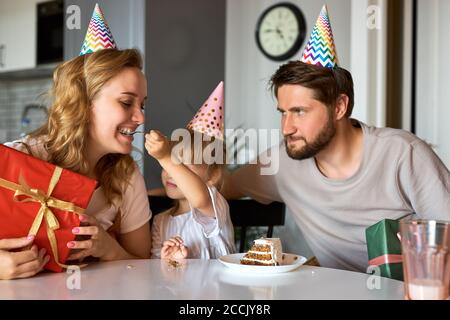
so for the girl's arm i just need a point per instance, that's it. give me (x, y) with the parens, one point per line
(190, 184)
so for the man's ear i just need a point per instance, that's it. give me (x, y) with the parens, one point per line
(341, 106)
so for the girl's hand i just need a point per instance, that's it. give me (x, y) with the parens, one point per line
(174, 249)
(99, 245)
(157, 145)
(22, 264)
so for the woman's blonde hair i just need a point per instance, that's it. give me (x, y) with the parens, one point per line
(75, 84)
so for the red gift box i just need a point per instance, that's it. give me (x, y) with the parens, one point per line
(39, 198)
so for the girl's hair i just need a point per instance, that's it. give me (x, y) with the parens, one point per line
(75, 84)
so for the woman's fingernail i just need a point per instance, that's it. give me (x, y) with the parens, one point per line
(76, 230)
(70, 244)
(82, 218)
(30, 237)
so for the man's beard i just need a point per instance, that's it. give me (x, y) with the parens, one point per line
(318, 144)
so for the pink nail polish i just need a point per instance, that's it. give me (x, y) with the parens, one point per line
(70, 244)
(30, 237)
(82, 218)
(76, 230)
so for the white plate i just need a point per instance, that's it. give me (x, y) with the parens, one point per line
(290, 262)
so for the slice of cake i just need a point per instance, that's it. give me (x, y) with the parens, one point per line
(264, 252)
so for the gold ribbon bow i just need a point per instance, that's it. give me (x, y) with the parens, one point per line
(23, 193)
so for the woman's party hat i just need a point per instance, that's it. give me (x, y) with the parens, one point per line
(209, 118)
(320, 49)
(98, 35)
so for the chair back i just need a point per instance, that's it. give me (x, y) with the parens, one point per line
(244, 213)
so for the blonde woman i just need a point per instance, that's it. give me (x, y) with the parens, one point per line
(98, 99)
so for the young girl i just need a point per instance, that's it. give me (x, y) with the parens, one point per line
(199, 226)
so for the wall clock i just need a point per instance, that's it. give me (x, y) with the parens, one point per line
(280, 31)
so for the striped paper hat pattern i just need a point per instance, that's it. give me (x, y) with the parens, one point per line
(98, 35)
(209, 118)
(320, 49)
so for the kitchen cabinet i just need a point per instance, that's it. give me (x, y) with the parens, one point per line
(17, 34)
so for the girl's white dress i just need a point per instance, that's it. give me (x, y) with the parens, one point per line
(206, 237)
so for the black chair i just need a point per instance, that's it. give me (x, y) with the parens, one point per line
(250, 213)
(244, 213)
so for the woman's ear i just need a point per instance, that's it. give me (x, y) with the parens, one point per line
(341, 106)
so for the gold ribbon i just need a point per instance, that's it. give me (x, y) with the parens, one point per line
(23, 193)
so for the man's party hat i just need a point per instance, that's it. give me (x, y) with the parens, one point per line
(98, 35)
(320, 49)
(209, 118)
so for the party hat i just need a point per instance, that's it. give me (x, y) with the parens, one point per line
(98, 35)
(320, 49)
(209, 118)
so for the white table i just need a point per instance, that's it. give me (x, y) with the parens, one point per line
(197, 279)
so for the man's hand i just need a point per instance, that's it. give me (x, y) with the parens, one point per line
(157, 145)
(22, 264)
(174, 249)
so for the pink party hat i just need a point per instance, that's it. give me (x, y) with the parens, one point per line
(320, 49)
(98, 35)
(209, 118)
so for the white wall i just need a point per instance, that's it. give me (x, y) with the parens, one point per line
(433, 76)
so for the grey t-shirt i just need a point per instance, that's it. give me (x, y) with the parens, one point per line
(399, 174)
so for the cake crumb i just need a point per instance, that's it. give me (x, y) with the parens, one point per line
(173, 264)
(130, 266)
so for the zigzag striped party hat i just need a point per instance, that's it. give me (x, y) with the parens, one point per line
(320, 49)
(98, 35)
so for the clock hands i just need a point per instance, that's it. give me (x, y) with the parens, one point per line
(280, 34)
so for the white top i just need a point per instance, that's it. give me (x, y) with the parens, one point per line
(135, 210)
(399, 174)
(206, 237)
(198, 279)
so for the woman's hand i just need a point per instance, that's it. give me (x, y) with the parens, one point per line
(157, 145)
(100, 244)
(174, 249)
(22, 264)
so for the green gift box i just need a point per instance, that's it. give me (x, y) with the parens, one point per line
(384, 248)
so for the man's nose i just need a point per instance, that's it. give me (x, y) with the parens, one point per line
(287, 126)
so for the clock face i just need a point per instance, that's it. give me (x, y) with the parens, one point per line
(280, 31)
